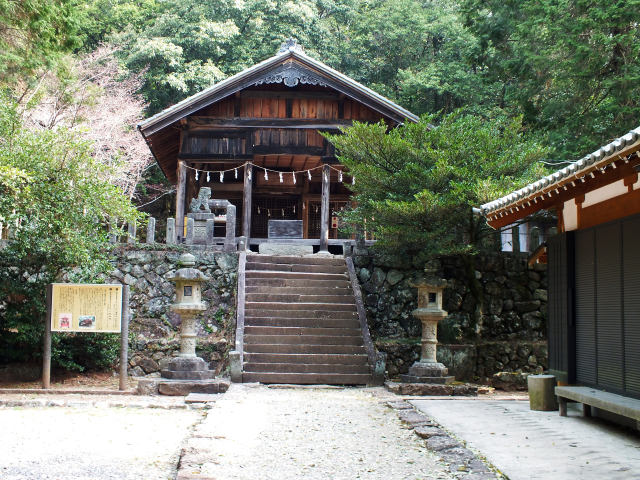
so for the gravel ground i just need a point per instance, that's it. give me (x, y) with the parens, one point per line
(92, 442)
(255, 432)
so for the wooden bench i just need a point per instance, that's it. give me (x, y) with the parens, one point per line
(591, 397)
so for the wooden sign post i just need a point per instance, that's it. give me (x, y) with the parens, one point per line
(74, 307)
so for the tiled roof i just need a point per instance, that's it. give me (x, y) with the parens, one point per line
(186, 106)
(575, 171)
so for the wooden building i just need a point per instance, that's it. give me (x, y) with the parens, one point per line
(593, 265)
(255, 139)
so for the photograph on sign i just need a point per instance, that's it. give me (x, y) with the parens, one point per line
(87, 321)
(64, 321)
(86, 307)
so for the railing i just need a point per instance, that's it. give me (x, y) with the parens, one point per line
(236, 356)
(199, 230)
(377, 360)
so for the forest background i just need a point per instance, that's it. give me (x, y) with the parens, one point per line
(569, 68)
(77, 75)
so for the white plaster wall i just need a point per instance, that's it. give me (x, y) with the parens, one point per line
(604, 193)
(570, 215)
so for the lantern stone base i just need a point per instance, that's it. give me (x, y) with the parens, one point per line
(431, 389)
(188, 368)
(165, 386)
(428, 372)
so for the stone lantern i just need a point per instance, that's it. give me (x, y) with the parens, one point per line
(188, 304)
(429, 312)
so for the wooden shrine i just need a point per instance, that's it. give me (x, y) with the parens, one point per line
(255, 140)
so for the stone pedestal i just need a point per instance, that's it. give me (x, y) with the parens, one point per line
(428, 372)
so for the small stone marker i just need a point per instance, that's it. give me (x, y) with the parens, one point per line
(541, 392)
(131, 237)
(171, 231)
(230, 232)
(190, 225)
(151, 230)
(210, 229)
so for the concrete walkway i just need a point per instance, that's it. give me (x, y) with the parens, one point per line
(255, 432)
(525, 444)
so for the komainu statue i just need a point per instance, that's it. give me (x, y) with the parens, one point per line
(201, 202)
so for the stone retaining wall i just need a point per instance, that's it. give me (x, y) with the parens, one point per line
(500, 327)
(469, 361)
(153, 328)
(506, 334)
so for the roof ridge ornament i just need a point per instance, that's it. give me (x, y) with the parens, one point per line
(290, 45)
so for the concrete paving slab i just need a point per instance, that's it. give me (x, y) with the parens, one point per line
(201, 398)
(529, 445)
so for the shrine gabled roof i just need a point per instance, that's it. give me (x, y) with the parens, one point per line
(597, 161)
(290, 66)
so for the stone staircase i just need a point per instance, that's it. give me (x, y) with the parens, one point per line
(301, 323)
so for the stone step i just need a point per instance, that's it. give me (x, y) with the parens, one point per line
(293, 290)
(292, 267)
(295, 275)
(293, 349)
(296, 298)
(282, 306)
(323, 340)
(306, 358)
(297, 283)
(301, 260)
(302, 332)
(251, 367)
(308, 378)
(352, 322)
(335, 314)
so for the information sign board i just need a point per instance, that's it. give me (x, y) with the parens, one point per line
(86, 307)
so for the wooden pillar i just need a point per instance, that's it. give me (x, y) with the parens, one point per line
(324, 211)
(180, 195)
(46, 356)
(246, 202)
(124, 338)
(579, 201)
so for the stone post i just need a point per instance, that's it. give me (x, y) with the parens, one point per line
(171, 231)
(429, 312)
(230, 229)
(131, 232)
(113, 238)
(210, 228)
(190, 225)
(151, 230)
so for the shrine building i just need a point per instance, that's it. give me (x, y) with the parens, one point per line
(255, 140)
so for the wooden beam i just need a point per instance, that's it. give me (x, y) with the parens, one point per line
(215, 157)
(610, 209)
(288, 94)
(324, 210)
(201, 122)
(287, 150)
(555, 195)
(246, 201)
(180, 199)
